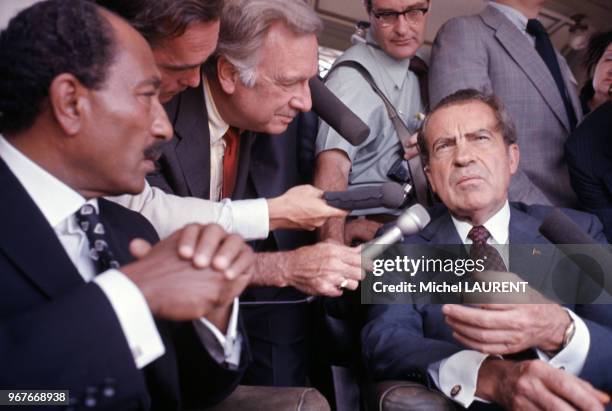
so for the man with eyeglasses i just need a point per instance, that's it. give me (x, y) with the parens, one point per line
(396, 31)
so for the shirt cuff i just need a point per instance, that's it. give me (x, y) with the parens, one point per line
(134, 316)
(251, 218)
(457, 375)
(225, 349)
(573, 356)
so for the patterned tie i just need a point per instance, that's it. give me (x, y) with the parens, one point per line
(419, 67)
(481, 250)
(230, 161)
(99, 250)
(546, 50)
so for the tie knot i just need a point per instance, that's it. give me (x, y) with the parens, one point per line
(479, 235)
(88, 220)
(417, 66)
(535, 28)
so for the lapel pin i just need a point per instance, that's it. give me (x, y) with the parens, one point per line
(536, 252)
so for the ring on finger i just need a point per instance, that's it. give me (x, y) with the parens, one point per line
(343, 284)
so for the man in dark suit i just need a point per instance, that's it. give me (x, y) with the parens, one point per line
(589, 153)
(86, 303)
(257, 84)
(505, 50)
(469, 147)
(183, 34)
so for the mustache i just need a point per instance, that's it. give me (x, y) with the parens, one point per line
(154, 151)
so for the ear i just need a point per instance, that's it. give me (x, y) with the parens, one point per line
(514, 156)
(227, 75)
(68, 99)
(428, 175)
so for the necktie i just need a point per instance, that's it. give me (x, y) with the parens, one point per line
(230, 161)
(99, 250)
(481, 250)
(546, 50)
(419, 67)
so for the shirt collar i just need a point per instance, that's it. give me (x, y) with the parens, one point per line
(516, 17)
(217, 125)
(55, 199)
(397, 70)
(498, 227)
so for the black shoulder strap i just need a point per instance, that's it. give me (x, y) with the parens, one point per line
(415, 165)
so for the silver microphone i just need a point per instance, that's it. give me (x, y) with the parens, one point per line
(409, 222)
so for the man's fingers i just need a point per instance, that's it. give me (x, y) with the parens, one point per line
(188, 239)
(484, 335)
(493, 319)
(230, 248)
(208, 240)
(351, 285)
(582, 396)
(139, 248)
(242, 264)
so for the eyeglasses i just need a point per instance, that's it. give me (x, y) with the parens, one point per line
(389, 18)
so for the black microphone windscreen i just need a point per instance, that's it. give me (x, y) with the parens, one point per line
(560, 229)
(335, 113)
(393, 195)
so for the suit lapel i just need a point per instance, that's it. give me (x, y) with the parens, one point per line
(192, 139)
(441, 231)
(530, 254)
(528, 59)
(30, 242)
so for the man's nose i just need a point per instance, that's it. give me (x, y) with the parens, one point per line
(464, 153)
(161, 127)
(302, 99)
(191, 78)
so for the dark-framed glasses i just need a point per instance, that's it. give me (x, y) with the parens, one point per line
(389, 17)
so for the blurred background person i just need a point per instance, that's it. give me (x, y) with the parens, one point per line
(589, 150)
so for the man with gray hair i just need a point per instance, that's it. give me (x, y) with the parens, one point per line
(254, 87)
(183, 34)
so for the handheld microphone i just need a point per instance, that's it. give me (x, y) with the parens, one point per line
(335, 113)
(389, 195)
(563, 233)
(409, 222)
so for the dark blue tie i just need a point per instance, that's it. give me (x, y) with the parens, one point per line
(99, 250)
(546, 50)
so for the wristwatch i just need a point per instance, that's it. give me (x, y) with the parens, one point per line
(569, 333)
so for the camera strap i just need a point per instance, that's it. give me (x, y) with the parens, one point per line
(415, 165)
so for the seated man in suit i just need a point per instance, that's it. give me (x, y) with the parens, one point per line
(468, 144)
(183, 34)
(86, 303)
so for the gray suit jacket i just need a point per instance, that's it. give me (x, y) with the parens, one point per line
(489, 53)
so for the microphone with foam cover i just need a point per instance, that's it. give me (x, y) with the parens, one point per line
(335, 113)
(389, 195)
(409, 222)
(564, 233)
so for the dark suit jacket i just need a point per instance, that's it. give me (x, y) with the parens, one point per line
(58, 332)
(589, 157)
(268, 166)
(401, 341)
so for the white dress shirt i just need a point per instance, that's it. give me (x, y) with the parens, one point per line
(461, 369)
(58, 203)
(167, 213)
(516, 17)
